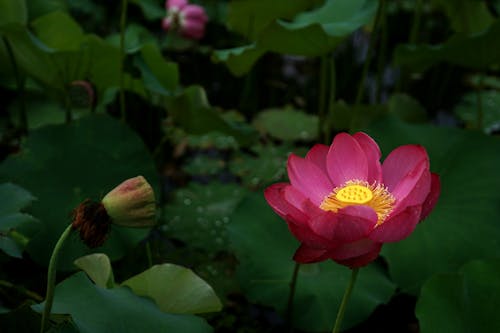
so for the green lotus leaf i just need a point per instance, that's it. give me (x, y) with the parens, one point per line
(465, 301)
(175, 289)
(62, 165)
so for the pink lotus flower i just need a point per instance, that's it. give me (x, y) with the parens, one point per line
(343, 204)
(188, 20)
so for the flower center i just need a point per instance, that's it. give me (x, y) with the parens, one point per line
(358, 192)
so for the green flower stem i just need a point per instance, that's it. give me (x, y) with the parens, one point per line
(291, 296)
(149, 254)
(415, 27)
(332, 95)
(67, 109)
(51, 278)
(361, 88)
(479, 103)
(28, 293)
(322, 96)
(347, 294)
(249, 96)
(23, 118)
(412, 39)
(123, 21)
(382, 53)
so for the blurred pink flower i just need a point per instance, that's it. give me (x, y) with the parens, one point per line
(188, 20)
(343, 204)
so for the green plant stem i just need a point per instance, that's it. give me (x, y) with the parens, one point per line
(347, 294)
(382, 54)
(441, 83)
(415, 27)
(322, 96)
(51, 277)
(23, 118)
(361, 87)
(249, 99)
(68, 111)
(332, 95)
(148, 254)
(479, 102)
(28, 293)
(412, 39)
(123, 21)
(366, 66)
(291, 296)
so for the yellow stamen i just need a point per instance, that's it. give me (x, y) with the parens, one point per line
(357, 192)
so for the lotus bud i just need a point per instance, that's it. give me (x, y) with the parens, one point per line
(130, 204)
(81, 94)
(192, 21)
(175, 5)
(186, 19)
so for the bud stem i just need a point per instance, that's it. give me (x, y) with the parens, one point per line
(51, 278)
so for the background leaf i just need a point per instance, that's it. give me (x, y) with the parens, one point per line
(265, 164)
(13, 11)
(192, 112)
(239, 60)
(466, 15)
(10, 247)
(12, 199)
(151, 9)
(407, 108)
(287, 124)
(477, 51)
(63, 165)
(136, 36)
(158, 74)
(466, 301)
(199, 214)
(31, 59)
(468, 110)
(59, 31)
(250, 17)
(310, 33)
(20, 320)
(40, 8)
